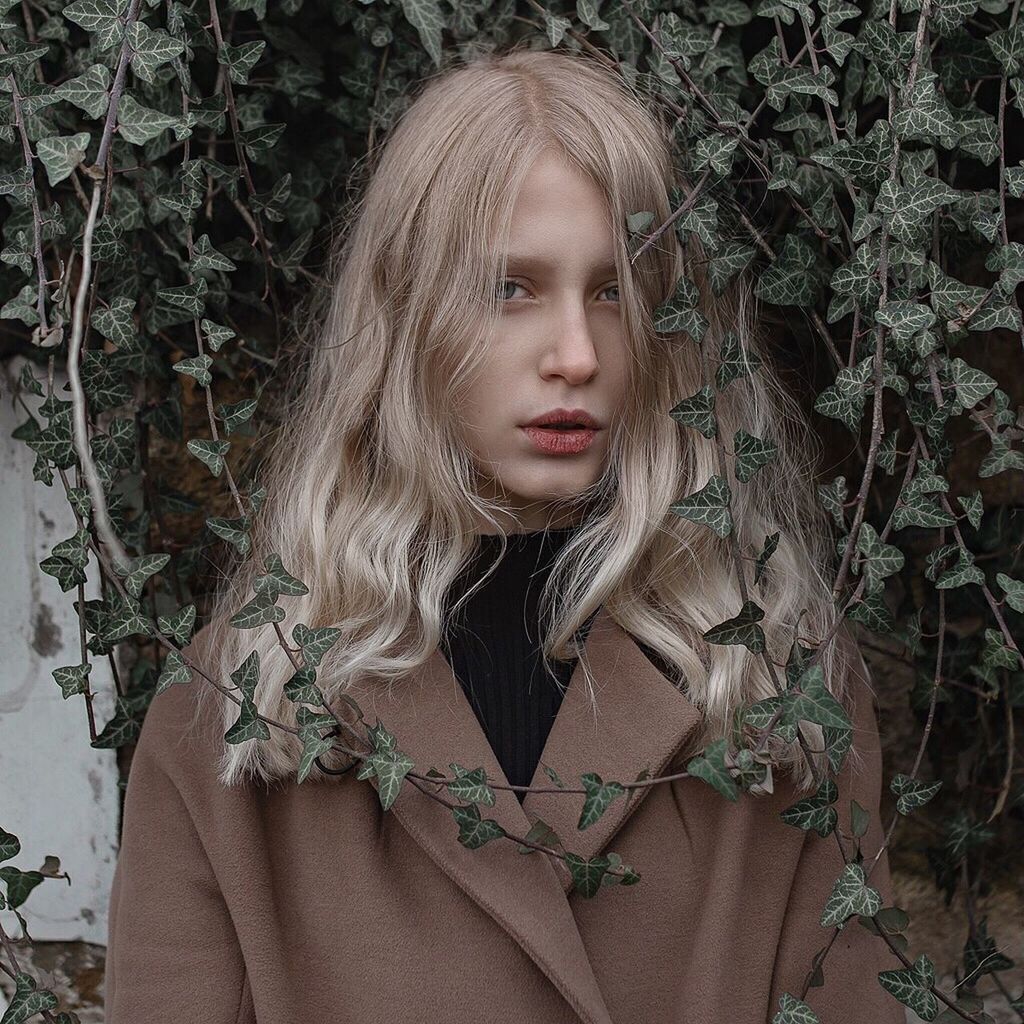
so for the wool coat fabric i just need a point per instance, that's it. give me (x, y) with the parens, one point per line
(309, 904)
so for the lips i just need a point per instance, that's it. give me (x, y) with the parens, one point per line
(563, 419)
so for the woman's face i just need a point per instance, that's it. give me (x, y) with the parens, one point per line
(558, 344)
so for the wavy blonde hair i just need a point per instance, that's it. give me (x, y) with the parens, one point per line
(372, 498)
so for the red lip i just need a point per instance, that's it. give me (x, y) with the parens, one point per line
(553, 416)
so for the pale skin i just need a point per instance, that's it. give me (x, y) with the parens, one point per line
(559, 342)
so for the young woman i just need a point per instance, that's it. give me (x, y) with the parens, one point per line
(511, 596)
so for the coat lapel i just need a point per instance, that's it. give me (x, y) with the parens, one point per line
(641, 720)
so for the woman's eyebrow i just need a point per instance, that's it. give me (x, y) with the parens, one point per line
(541, 263)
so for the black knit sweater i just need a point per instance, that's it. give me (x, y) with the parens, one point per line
(493, 644)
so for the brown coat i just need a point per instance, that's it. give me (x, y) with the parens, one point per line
(308, 904)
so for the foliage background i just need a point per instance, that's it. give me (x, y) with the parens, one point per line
(171, 174)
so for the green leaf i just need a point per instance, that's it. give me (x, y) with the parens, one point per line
(697, 411)
(137, 570)
(249, 725)
(236, 415)
(815, 812)
(850, 895)
(60, 155)
(710, 766)
(741, 629)
(599, 795)
(752, 453)
(234, 531)
(973, 507)
(215, 334)
(735, 361)
(150, 48)
(881, 560)
(88, 91)
(912, 987)
(260, 611)
(427, 18)
(179, 625)
(964, 572)
(277, 579)
(174, 671)
(474, 832)
(587, 873)
(210, 453)
(793, 1011)
(471, 786)
(247, 675)
(1013, 589)
(814, 703)
(911, 793)
(138, 124)
(240, 60)
(28, 1000)
(115, 322)
(196, 367)
(72, 679)
(315, 643)
(971, 385)
(709, 506)
(771, 543)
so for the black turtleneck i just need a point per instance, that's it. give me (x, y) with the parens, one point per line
(493, 644)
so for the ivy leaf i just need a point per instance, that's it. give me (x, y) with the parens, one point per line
(60, 155)
(236, 415)
(710, 766)
(88, 91)
(815, 812)
(234, 531)
(210, 453)
(28, 1000)
(240, 60)
(72, 679)
(964, 572)
(735, 362)
(814, 703)
(115, 322)
(471, 786)
(771, 543)
(151, 47)
(174, 671)
(850, 895)
(249, 725)
(315, 643)
(587, 873)
(215, 334)
(793, 1011)
(912, 987)
(709, 506)
(138, 124)
(1013, 589)
(973, 507)
(474, 832)
(179, 625)
(751, 454)
(196, 367)
(260, 611)
(971, 385)
(881, 560)
(427, 18)
(912, 793)
(740, 629)
(247, 675)
(697, 411)
(599, 797)
(277, 579)
(137, 570)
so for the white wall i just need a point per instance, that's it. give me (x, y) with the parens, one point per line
(57, 793)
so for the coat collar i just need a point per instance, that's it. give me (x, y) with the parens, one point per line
(640, 721)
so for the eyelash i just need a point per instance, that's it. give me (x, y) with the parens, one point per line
(512, 280)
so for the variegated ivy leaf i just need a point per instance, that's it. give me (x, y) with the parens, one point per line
(731, 259)
(28, 999)
(587, 873)
(1013, 589)
(196, 367)
(850, 895)
(100, 16)
(60, 155)
(711, 768)
(206, 257)
(708, 506)
(734, 361)
(905, 318)
(89, 91)
(471, 786)
(138, 124)
(832, 497)
(814, 702)
(599, 796)
(390, 768)
(234, 531)
(540, 833)
(315, 643)
(179, 625)
(249, 725)
(794, 1011)
(124, 619)
(237, 414)
(427, 17)
(771, 543)
(995, 653)
(815, 812)
(740, 629)
(210, 453)
(72, 679)
(174, 671)
(187, 297)
(973, 507)
(137, 570)
(151, 47)
(474, 831)
(586, 11)
(912, 987)
(260, 611)
(912, 793)
(752, 453)
(758, 715)
(844, 400)
(302, 688)
(247, 675)
(240, 60)
(881, 560)
(794, 277)
(697, 411)
(262, 137)
(971, 385)
(679, 313)
(277, 579)
(215, 334)
(314, 744)
(115, 322)
(1000, 458)
(964, 572)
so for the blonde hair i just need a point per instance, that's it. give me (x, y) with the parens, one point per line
(371, 490)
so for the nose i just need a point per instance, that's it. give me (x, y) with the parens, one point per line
(572, 353)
